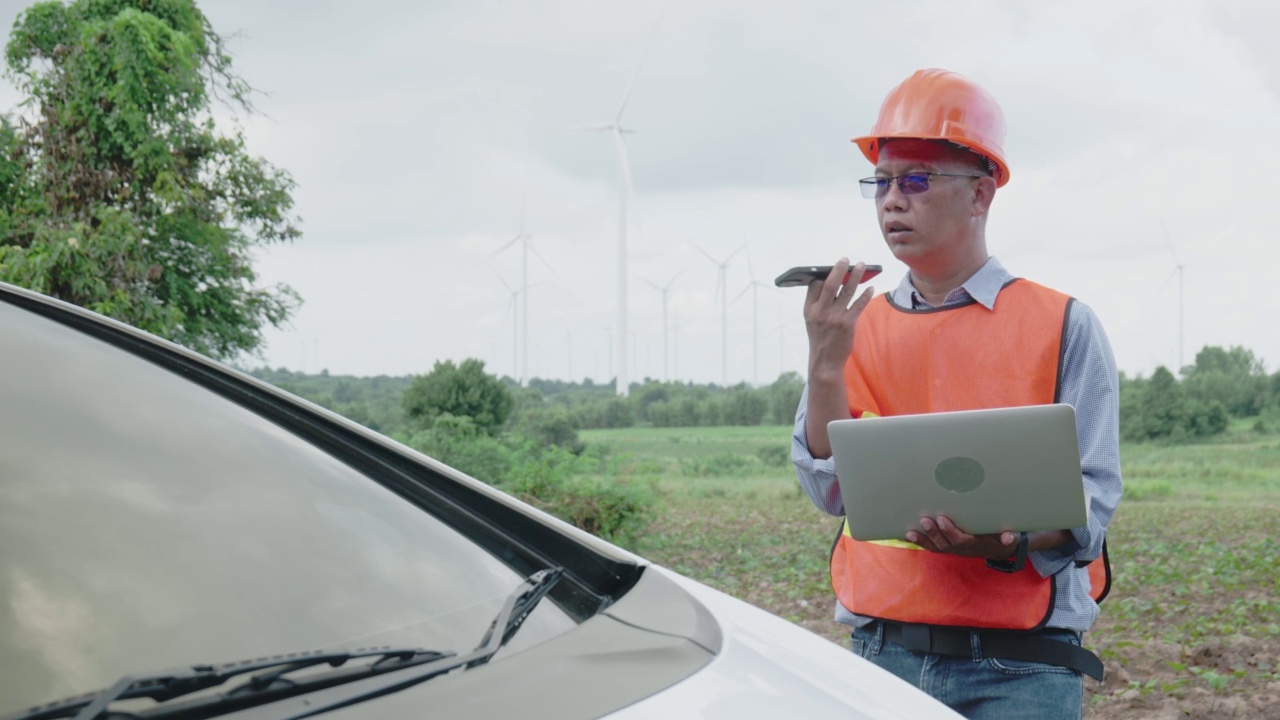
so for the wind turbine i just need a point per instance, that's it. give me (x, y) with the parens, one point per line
(1177, 270)
(664, 289)
(722, 287)
(754, 286)
(523, 238)
(614, 127)
(514, 311)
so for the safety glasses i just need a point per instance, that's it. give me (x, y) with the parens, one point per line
(909, 184)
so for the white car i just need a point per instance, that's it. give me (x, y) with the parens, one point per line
(181, 541)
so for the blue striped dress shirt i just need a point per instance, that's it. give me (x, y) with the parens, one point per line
(1090, 384)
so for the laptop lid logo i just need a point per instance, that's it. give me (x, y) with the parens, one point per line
(959, 474)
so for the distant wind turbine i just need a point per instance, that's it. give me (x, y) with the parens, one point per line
(665, 289)
(1177, 270)
(514, 311)
(523, 238)
(615, 128)
(754, 286)
(722, 288)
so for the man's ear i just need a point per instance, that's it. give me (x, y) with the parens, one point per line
(984, 192)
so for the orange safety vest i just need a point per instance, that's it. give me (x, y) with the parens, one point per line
(953, 358)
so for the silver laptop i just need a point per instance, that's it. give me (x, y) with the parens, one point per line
(988, 470)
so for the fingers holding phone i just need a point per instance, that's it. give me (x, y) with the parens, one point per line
(831, 312)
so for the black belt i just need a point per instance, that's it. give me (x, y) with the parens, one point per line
(1004, 645)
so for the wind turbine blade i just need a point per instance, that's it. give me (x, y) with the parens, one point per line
(594, 127)
(698, 247)
(622, 159)
(735, 252)
(524, 195)
(652, 284)
(534, 250)
(1169, 242)
(751, 272)
(502, 280)
(509, 243)
(622, 106)
(1171, 275)
(744, 292)
(673, 278)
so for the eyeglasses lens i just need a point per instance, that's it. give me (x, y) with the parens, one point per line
(907, 184)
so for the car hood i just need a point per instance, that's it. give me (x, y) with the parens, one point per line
(769, 668)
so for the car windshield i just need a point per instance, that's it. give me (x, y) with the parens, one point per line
(149, 523)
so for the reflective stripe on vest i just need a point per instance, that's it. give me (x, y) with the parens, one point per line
(955, 358)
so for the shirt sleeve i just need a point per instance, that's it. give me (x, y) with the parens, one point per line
(1091, 385)
(817, 476)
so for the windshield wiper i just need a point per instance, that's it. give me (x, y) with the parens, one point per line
(272, 685)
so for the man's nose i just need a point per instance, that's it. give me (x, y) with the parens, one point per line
(894, 198)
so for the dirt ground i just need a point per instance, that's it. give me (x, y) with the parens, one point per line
(1147, 682)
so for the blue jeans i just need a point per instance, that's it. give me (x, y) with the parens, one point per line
(982, 688)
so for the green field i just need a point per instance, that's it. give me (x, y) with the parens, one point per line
(1192, 626)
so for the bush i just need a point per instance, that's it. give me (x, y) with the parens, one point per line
(457, 442)
(774, 455)
(743, 406)
(616, 510)
(546, 427)
(722, 465)
(462, 390)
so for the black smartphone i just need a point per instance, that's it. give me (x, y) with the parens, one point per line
(802, 276)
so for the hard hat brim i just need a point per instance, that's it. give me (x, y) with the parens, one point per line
(870, 146)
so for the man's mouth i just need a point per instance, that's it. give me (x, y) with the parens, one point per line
(895, 228)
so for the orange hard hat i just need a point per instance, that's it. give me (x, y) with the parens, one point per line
(941, 105)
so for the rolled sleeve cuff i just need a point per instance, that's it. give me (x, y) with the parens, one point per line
(1054, 560)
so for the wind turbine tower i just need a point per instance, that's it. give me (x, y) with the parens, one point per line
(723, 266)
(614, 127)
(754, 286)
(1177, 270)
(523, 238)
(665, 289)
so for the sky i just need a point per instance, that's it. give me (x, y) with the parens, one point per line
(423, 136)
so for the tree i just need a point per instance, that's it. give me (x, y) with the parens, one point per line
(119, 194)
(464, 390)
(1234, 377)
(1160, 408)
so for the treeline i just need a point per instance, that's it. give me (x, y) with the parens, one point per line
(551, 405)
(1221, 385)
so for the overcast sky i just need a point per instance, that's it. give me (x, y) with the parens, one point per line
(414, 130)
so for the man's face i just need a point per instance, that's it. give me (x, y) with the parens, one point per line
(925, 229)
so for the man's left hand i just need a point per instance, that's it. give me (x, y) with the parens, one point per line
(940, 535)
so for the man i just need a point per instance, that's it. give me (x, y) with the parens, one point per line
(990, 624)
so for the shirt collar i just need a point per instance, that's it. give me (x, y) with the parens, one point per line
(983, 287)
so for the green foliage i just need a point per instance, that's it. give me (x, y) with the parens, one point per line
(460, 390)
(119, 194)
(743, 406)
(776, 456)
(560, 483)
(550, 426)
(371, 401)
(784, 398)
(1160, 408)
(721, 465)
(1232, 377)
(458, 442)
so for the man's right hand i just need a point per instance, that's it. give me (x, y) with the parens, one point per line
(830, 316)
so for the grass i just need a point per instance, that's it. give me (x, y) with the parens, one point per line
(1195, 606)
